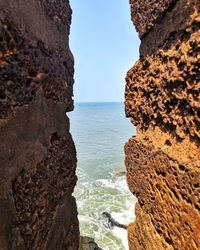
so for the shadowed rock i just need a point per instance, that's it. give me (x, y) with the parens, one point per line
(37, 153)
(110, 222)
(88, 243)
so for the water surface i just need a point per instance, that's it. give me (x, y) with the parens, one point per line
(100, 131)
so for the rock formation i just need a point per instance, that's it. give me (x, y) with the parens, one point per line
(37, 153)
(162, 98)
(87, 243)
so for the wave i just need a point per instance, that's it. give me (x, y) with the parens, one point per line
(105, 195)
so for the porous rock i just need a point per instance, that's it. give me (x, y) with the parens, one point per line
(146, 13)
(162, 99)
(37, 153)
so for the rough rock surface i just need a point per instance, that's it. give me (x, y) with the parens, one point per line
(145, 14)
(162, 99)
(87, 243)
(37, 153)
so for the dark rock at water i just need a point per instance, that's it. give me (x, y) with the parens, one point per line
(88, 243)
(110, 222)
(120, 174)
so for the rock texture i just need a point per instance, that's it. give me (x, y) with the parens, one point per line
(87, 243)
(162, 98)
(37, 153)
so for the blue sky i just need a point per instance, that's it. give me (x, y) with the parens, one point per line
(105, 45)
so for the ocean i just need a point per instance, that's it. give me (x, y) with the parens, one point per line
(100, 131)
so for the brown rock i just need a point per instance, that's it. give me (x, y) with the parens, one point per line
(87, 243)
(162, 89)
(175, 25)
(168, 196)
(145, 14)
(162, 99)
(37, 155)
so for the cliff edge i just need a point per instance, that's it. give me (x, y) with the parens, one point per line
(37, 153)
(162, 98)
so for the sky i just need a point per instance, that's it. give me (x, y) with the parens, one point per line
(105, 45)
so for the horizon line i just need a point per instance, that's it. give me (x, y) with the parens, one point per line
(98, 101)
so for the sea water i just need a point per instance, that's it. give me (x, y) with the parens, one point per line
(100, 131)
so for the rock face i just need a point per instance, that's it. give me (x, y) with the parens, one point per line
(87, 243)
(37, 153)
(162, 99)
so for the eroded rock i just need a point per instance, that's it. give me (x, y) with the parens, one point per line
(37, 155)
(162, 99)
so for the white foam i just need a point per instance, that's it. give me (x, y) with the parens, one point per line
(121, 234)
(105, 195)
(119, 183)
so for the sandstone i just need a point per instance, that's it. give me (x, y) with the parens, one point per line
(162, 99)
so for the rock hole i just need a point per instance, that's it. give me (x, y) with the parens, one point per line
(182, 167)
(28, 82)
(168, 143)
(177, 46)
(32, 73)
(146, 64)
(2, 94)
(182, 65)
(65, 63)
(197, 207)
(189, 201)
(191, 111)
(54, 137)
(183, 104)
(163, 174)
(169, 241)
